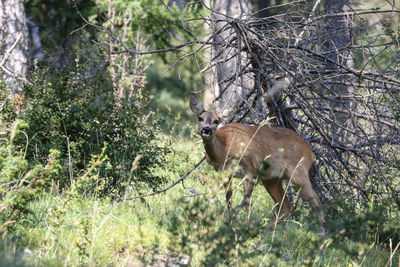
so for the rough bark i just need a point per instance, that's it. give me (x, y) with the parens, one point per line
(14, 44)
(210, 76)
(233, 84)
(339, 39)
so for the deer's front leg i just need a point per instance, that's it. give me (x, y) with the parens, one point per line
(228, 196)
(248, 185)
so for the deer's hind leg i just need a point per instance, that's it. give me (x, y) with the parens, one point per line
(275, 189)
(301, 178)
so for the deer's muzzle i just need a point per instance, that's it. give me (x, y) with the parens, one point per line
(206, 131)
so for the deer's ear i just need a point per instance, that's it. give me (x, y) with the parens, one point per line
(195, 105)
(229, 113)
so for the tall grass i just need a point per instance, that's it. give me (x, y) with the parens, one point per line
(183, 226)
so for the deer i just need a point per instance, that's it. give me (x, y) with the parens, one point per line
(267, 154)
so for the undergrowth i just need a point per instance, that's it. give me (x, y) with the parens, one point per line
(183, 226)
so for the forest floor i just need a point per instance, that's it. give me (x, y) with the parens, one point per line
(183, 226)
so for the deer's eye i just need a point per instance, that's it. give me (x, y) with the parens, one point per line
(216, 121)
(200, 119)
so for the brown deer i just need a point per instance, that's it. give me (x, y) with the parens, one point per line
(269, 154)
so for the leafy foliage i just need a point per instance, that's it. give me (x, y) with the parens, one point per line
(20, 184)
(75, 111)
(148, 16)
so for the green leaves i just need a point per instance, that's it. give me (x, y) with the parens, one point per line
(21, 183)
(75, 111)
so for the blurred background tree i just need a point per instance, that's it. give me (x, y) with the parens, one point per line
(14, 45)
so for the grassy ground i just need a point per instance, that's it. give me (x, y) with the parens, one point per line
(183, 226)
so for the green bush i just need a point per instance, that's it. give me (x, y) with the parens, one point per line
(75, 110)
(20, 183)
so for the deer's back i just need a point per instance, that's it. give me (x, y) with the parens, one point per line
(281, 147)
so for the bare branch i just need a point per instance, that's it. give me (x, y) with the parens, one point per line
(173, 184)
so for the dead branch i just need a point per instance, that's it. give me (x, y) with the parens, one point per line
(342, 95)
(173, 184)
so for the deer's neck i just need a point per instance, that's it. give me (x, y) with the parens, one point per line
(215, 150)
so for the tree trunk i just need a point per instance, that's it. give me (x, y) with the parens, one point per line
(211, 82)
(14, 44)
(233, 85)
(339, 38)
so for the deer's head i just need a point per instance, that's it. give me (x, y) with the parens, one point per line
(209, 122)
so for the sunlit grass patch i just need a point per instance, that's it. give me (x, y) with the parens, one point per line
(91, 231)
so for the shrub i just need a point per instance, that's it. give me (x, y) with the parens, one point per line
(19, 183)
(76, 111)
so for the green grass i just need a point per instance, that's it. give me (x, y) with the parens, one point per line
(177, 227)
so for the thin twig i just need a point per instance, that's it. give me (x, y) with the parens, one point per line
(5, 58)
(173, 184)
(8, 53)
